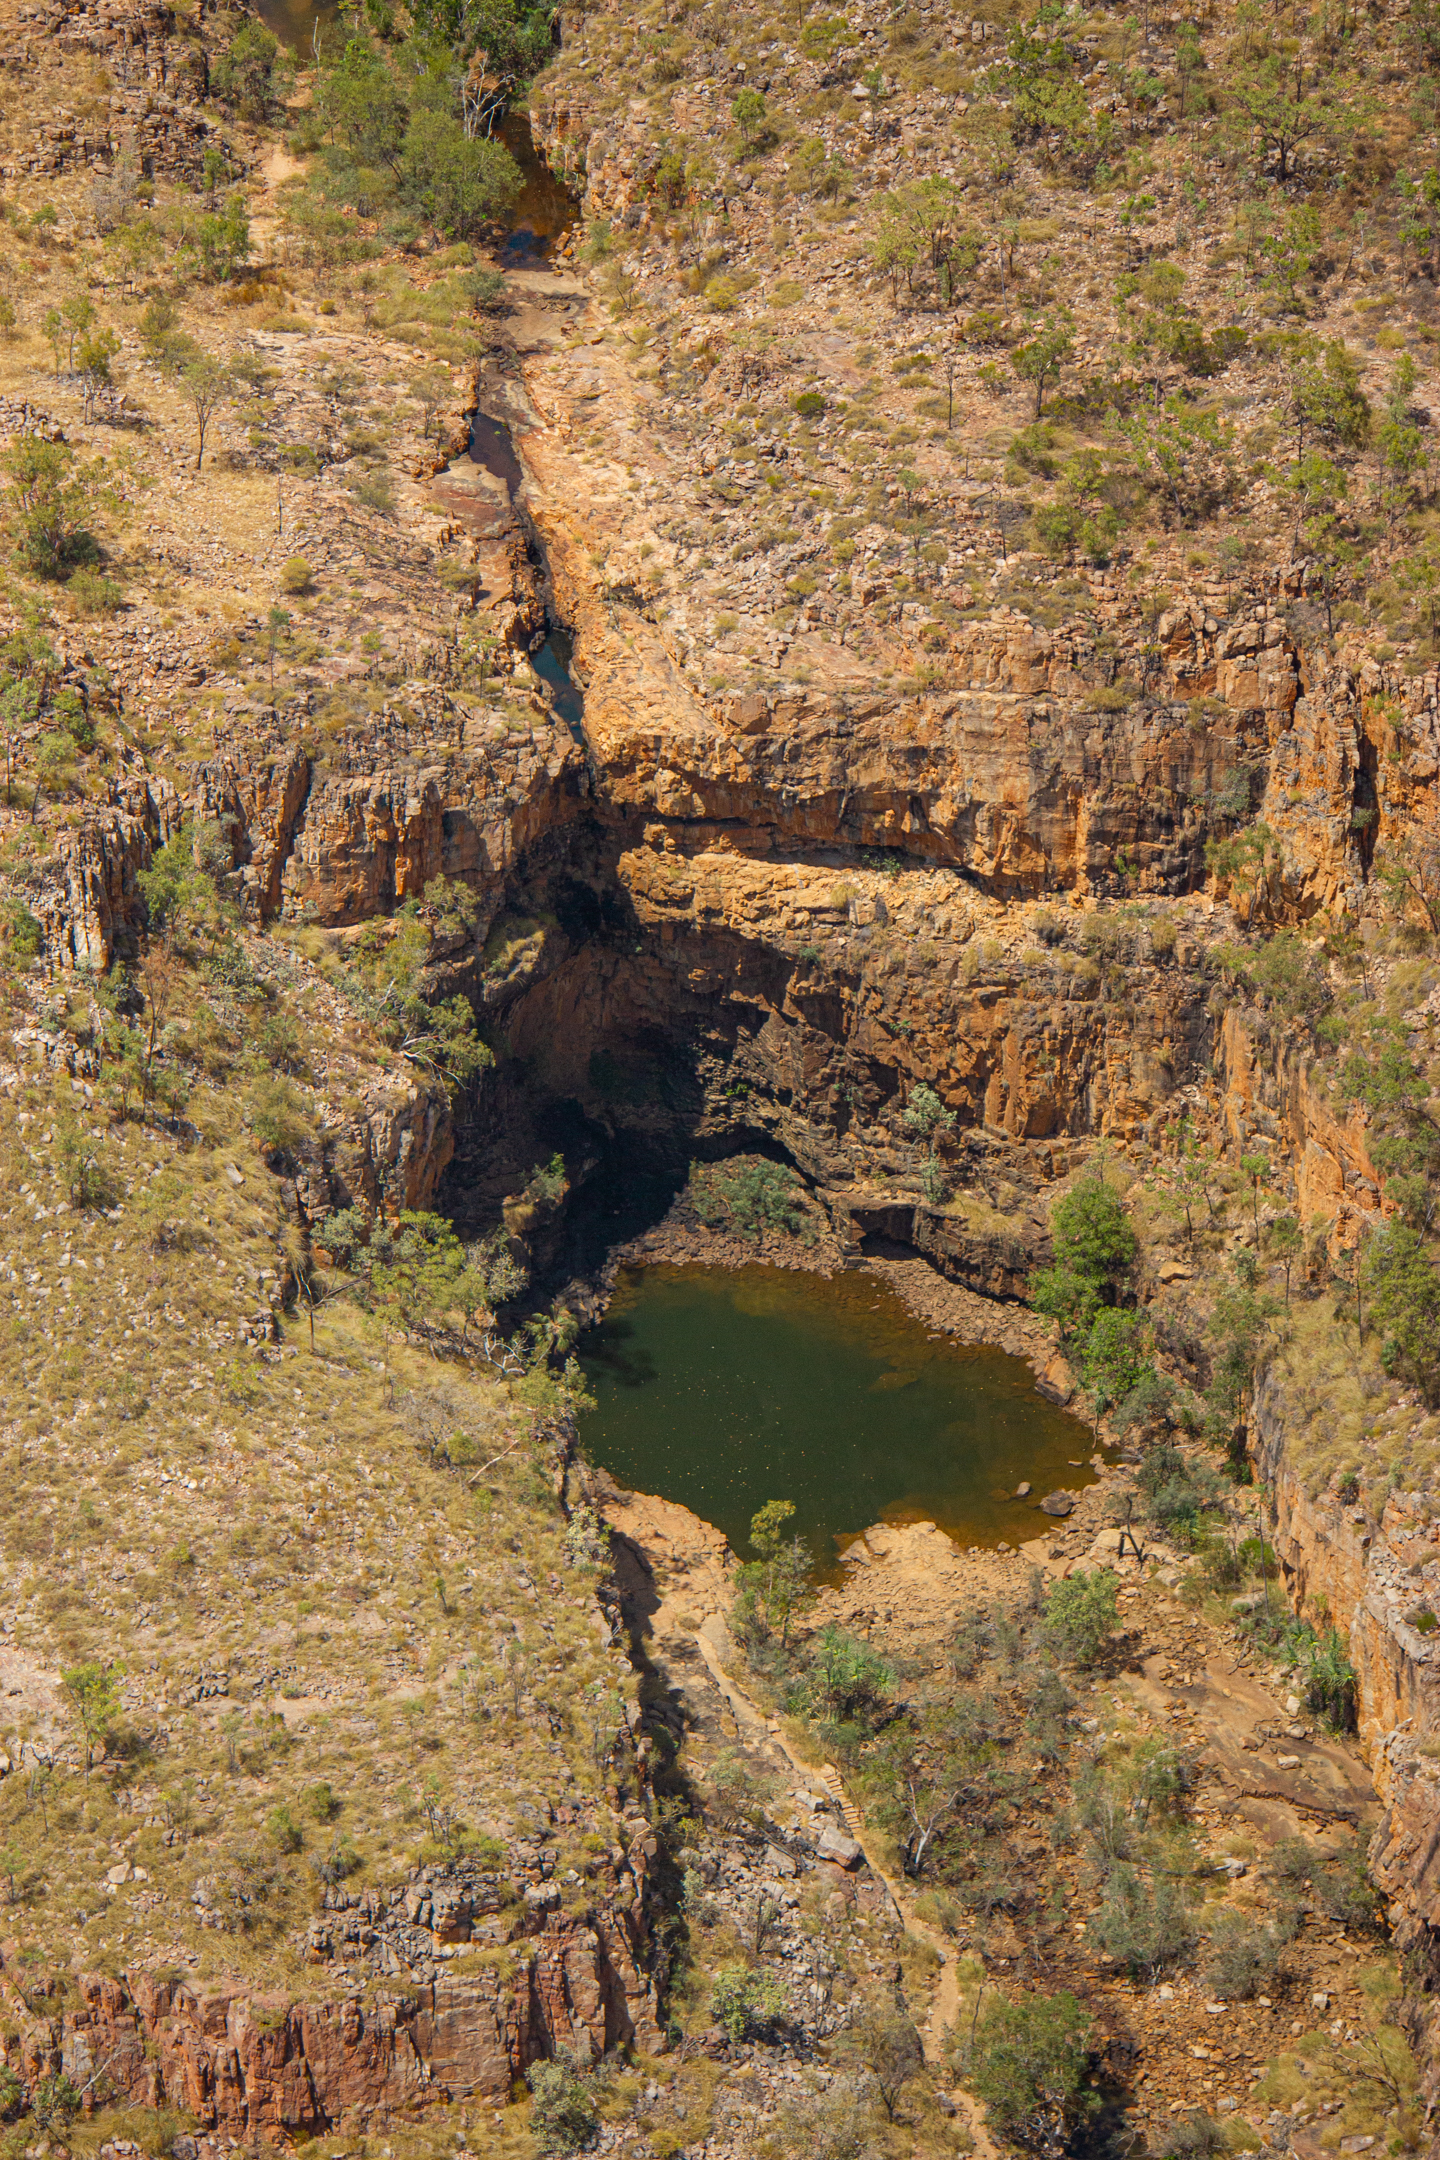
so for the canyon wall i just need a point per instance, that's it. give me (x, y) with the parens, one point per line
(764, 920)
(457, 1986)
(1379, 1580)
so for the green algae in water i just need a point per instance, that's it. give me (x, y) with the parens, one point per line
(723, 1390)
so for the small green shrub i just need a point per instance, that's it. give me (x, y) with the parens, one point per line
(756, 1195)
(1338, 1881)
(297, 576)
(21, 937)
(563, 2114)
(91, 593)
(1080, 1614)
(89, 1181)
(1241, 1957)
(846, 1682)
(746, 2003)
(1195, 2137)
(54, 2104)
(376, 490)
(1026, 2060)
(277, 1113)
(1178, 1493)
(277, 1039)
(1143, 1926)
(1327, 1677)
(339, 1861)
(486, 291)
(285, 1832)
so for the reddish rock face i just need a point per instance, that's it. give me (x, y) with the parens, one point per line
(268, 2067)
(1009, 773)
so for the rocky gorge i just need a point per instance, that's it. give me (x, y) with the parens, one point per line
(1086, 853)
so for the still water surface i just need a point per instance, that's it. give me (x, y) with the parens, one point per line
(296, 23)
(723, 1390)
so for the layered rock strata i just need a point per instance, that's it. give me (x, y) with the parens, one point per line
(426, 2022)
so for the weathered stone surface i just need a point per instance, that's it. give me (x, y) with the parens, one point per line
(273, 2067)
(835, 1846)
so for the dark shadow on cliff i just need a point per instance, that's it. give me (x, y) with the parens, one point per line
(612, 1056)
(661, 1729)
(627, 1367)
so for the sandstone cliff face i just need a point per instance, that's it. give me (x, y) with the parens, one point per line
(395, 1154)
(1012, 772)
(154, 120)
(1378, 1580)
(1269, 1090)
(86, 897)
(434, 789)
(1008, 774)
(272, 2068)
(1369, 1575)
(823, 1000)
(334, 837)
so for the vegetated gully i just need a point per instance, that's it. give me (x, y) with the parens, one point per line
(659, 1105)
(969, 1417)
(543, 213)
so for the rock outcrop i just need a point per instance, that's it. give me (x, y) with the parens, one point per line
(466, 1983)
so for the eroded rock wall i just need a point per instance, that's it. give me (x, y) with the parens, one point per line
(470, 1991)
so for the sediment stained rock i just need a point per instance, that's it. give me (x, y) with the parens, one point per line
(272, 2067)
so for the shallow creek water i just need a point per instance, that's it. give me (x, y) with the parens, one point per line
(723, 1389)
(546, 208)
(493, 447)
(295, 23)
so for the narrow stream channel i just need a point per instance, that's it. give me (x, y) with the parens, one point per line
(724, 1389)
(546, 209)
(543, 212)
(493, 447)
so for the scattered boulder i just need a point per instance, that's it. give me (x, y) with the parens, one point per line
(835, 1846)
(1022, 1490)
(1058, 1504)
(1056, 1379)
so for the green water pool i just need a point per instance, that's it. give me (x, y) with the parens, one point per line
(723, 1389)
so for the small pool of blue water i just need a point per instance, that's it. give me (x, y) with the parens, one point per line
(551, 662)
